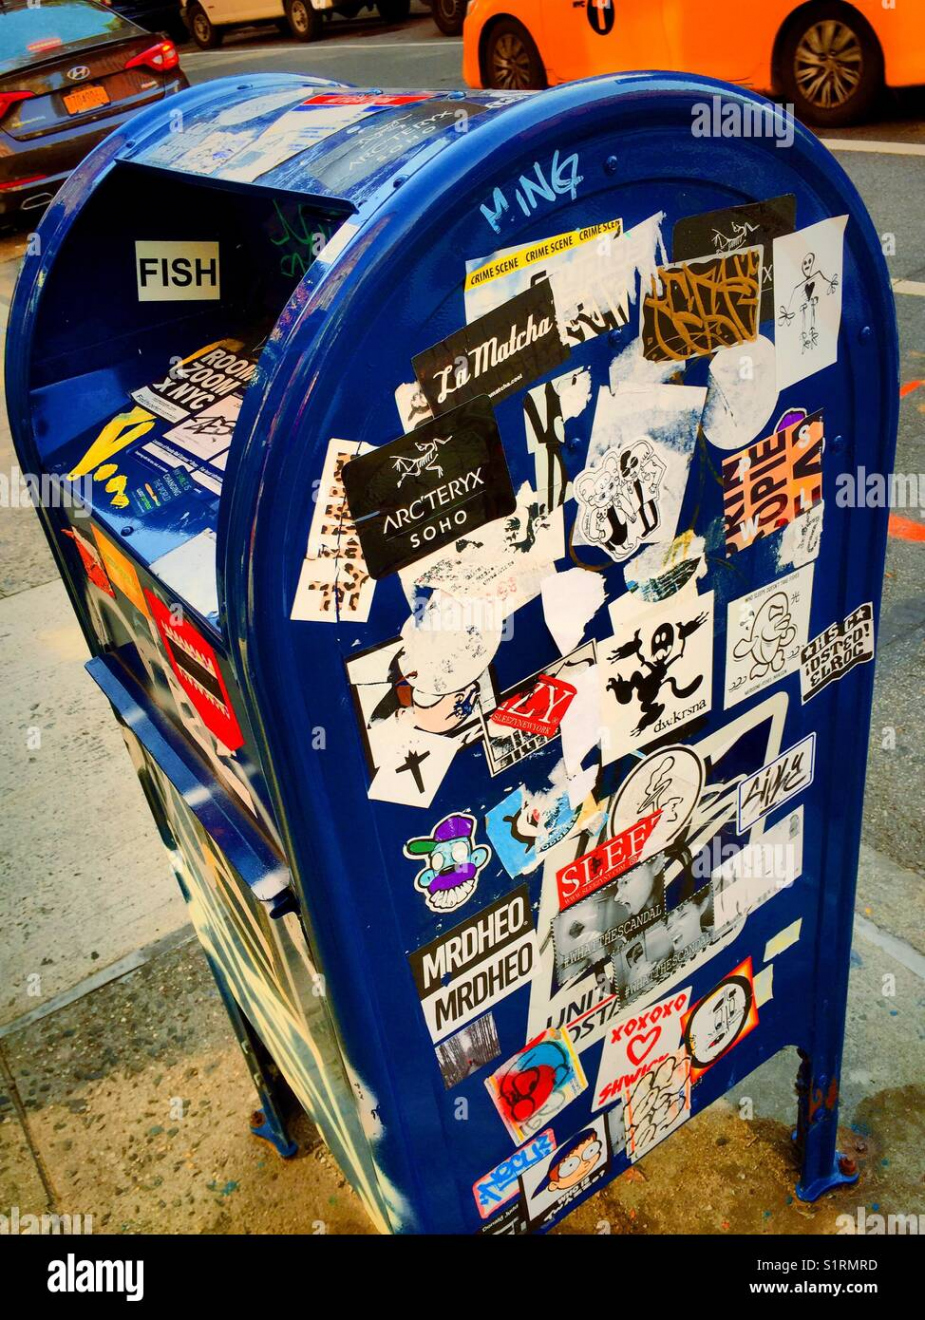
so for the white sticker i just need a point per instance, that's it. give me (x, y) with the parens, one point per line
(776, 783)
(177, 272)
(637, 1043)
(764, 633)
(808, 267)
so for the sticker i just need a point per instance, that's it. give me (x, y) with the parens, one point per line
(506, 746)
(92, 561)
(538, 710)
(500, 353)
(661, 570)
(638, 1044)
(665, 786)
(430, 487)
(777, 783)
(659, 675)
(835, 652)
(501, 1183)
(410, 736)
(334, 582)
(476, 964)
(808, 270)
(610, 859)
(765, 632)
(721, 1019)
(469, 1050)
(759, 870)
(567, 1174)
(520, 259)
(598, 927)
(368, 98)
(189, 570)
(525, 825)
(120, 569)
(696, 307)
(413, 408)
(539, 1081)
(657, 1105)
(783, 940)
(547, 408)
(177, 272)
(631, 491)
(201, 380)
(511, 1222)
(737, 227)
(502, 564)
(196, 667)
(800, 541)
(580, 730)
(741, 393)
(771, 482)
(207, 434)
(570, 601)
(764, 985)
(454, 863)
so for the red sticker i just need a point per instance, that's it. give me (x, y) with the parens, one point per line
(93, 564)
(721, 1019)
(539, 710)
(195, 664)
(365, 98)
(583, 876)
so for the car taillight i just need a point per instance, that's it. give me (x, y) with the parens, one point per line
(160, 58)
(9, 99)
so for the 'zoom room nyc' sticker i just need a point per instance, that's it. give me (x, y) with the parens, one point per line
(429, 488)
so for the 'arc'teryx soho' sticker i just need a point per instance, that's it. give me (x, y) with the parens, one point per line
(429, 488)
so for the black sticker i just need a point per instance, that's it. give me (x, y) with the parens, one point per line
(500, 353)
(720, 233)
(429, 488)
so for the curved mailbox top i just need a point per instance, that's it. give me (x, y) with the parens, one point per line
(542, 582)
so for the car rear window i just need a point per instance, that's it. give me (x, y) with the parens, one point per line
(32, 33)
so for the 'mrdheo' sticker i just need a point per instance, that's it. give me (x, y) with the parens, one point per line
(429, 488)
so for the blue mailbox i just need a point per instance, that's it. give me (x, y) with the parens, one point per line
(451, 491)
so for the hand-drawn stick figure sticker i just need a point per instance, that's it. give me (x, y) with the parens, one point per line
(806, 296)
(669, 782)
(721, 1019)
(601, 15)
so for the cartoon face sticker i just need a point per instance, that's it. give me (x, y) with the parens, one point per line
(721, 1019)
(574, 1161)
(454, 863)
(772, 631)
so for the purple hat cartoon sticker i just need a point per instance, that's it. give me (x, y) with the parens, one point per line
(453, 862)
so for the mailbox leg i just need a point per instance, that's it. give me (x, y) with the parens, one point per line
(269, 1120)
(822, 1167)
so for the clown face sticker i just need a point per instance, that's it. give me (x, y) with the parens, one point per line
(721, 1019)
(537, 1083)
(454, 863)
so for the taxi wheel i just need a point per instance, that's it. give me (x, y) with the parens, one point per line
(304, 20)
(202, 30)
(512, 62)
(449, 15)
(830, 66)
(393, 11)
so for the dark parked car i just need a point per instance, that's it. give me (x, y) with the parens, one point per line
(70, 72)
(152, 15)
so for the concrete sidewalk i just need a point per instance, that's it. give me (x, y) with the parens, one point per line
(132, 1105)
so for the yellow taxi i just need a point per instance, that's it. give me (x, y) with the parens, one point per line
(826, 57)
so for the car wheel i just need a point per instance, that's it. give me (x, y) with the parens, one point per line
(830, 65)
(512, 61)
(393, 11)
(304, 20)
(202, 30)
(449, 15)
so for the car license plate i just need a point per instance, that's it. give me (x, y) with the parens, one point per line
(85, 98)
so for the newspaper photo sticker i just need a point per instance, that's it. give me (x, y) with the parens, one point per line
(196, 667)
(721, 1019)
(454, 862)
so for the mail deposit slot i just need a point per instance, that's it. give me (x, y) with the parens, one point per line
(454, 491)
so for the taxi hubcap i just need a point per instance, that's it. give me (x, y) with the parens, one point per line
(828, 64)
